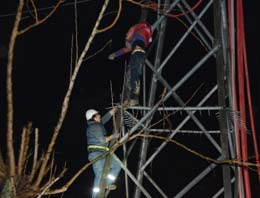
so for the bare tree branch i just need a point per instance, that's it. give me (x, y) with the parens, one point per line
(76, 30)
(40, 21)
(71, 56)
(231, 162)
(114, 22)
(21, 158)
(28, 130)
(48, 186)
(35, 156)
(9, 86)
(67, 96)
(97, 52)
(35, 11)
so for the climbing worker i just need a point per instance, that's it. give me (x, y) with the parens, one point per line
(137, 40)
(98, 142)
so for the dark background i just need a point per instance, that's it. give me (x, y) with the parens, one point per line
(42, 71)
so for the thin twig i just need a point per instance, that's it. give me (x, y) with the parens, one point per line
(35, 11)
(114, 117)
(35, 155)
(40, 21)
(76, 30)
(27, 140)
(52, 168)
(185, 104)
(115, 20)
(21, 152)
(71, 56)
(47, 187)
(100, 50)
(231, 162)
(87, 165)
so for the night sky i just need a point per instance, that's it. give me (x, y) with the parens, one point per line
(41, 75)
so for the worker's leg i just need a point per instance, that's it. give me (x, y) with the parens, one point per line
(127, 85)
(136, 63)
(98, 167)
(114, 172)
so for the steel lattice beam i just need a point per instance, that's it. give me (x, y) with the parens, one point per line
(214, 38)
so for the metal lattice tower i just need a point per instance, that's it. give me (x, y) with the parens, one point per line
(190, 88)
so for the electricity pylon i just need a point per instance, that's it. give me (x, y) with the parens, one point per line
(189, 97)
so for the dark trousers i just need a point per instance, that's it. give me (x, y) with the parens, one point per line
(132, 80)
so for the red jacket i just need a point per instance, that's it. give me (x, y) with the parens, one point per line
(141, 31)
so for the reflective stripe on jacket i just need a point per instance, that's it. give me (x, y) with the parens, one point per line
(97, 147)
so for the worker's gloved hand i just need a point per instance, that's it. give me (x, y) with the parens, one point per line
(113, 110)
(112, 56)
(115, 136)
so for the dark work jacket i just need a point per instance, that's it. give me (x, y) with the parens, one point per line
(96, 132)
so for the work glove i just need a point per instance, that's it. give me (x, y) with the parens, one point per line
(113, 111)
(112, 56)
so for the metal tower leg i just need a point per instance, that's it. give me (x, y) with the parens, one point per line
(145, 142)
(221, 38)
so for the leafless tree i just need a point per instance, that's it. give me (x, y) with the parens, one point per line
(17, 178)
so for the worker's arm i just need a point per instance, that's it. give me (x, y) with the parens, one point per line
(108, 115)
(119, 52)
(112, 137)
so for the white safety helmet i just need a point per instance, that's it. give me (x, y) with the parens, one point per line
(90, 113)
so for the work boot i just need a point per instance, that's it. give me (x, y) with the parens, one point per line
(111, 187)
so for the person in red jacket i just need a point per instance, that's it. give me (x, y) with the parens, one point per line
(137, 41)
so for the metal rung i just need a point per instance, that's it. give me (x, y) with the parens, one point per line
(183, 131)
(209, 108)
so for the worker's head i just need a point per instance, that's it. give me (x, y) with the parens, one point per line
(94, 115)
